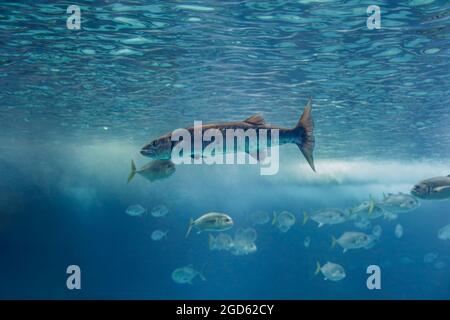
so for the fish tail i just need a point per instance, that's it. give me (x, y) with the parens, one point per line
(202, 271)
(191, 224)
(317, 268)
(333, 242)
(305, 217)
(133, 171)
(350, 212)
(274, 219)
(372, 204)
(210, 241)
(304, 135)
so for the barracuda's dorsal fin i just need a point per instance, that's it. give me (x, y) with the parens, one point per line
(256, 119)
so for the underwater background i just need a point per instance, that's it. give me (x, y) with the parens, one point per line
(78, 105)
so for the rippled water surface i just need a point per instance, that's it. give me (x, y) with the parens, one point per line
(77, 106)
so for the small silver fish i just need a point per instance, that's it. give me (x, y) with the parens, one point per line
(377, 231)
(398, 203)
(159, 211)
(283, 220)
(331, 271)
(136, 210)
(187, 274)
(154, 170)
(367, 210)
(326, 216)
(362, 224)
(444, 232)
(398, 231)
(158, 235)
(366, 206)
(211, 222)
(222, 242)
(243, 247)
(353, 240)
(259, 217)
(248, 234)
(437, 188)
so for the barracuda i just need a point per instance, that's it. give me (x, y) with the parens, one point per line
(201, 137)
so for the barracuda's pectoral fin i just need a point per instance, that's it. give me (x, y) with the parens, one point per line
(256, 120)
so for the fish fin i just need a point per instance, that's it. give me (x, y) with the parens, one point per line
(333, 242)
(439, 189)
(344, 251)
(256, 119)
(305, 217)
(133, 172)
(305, 136)
(350, 214)
(274, 220)
(191, 224)
(210, 241)
(317, 268)
(202, 271)
(372, 205)
(320, 224)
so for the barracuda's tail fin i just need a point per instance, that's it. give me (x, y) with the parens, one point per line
(303, 131)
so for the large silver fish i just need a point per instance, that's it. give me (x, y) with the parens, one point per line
(301, 135)
(437, 188)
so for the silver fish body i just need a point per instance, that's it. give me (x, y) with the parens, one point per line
(301, 135)
(437, 188)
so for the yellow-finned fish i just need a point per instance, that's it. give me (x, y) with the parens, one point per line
(211, 222)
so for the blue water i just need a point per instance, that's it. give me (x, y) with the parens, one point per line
(77, 106)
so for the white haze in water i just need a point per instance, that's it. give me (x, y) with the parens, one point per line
(84, 172)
